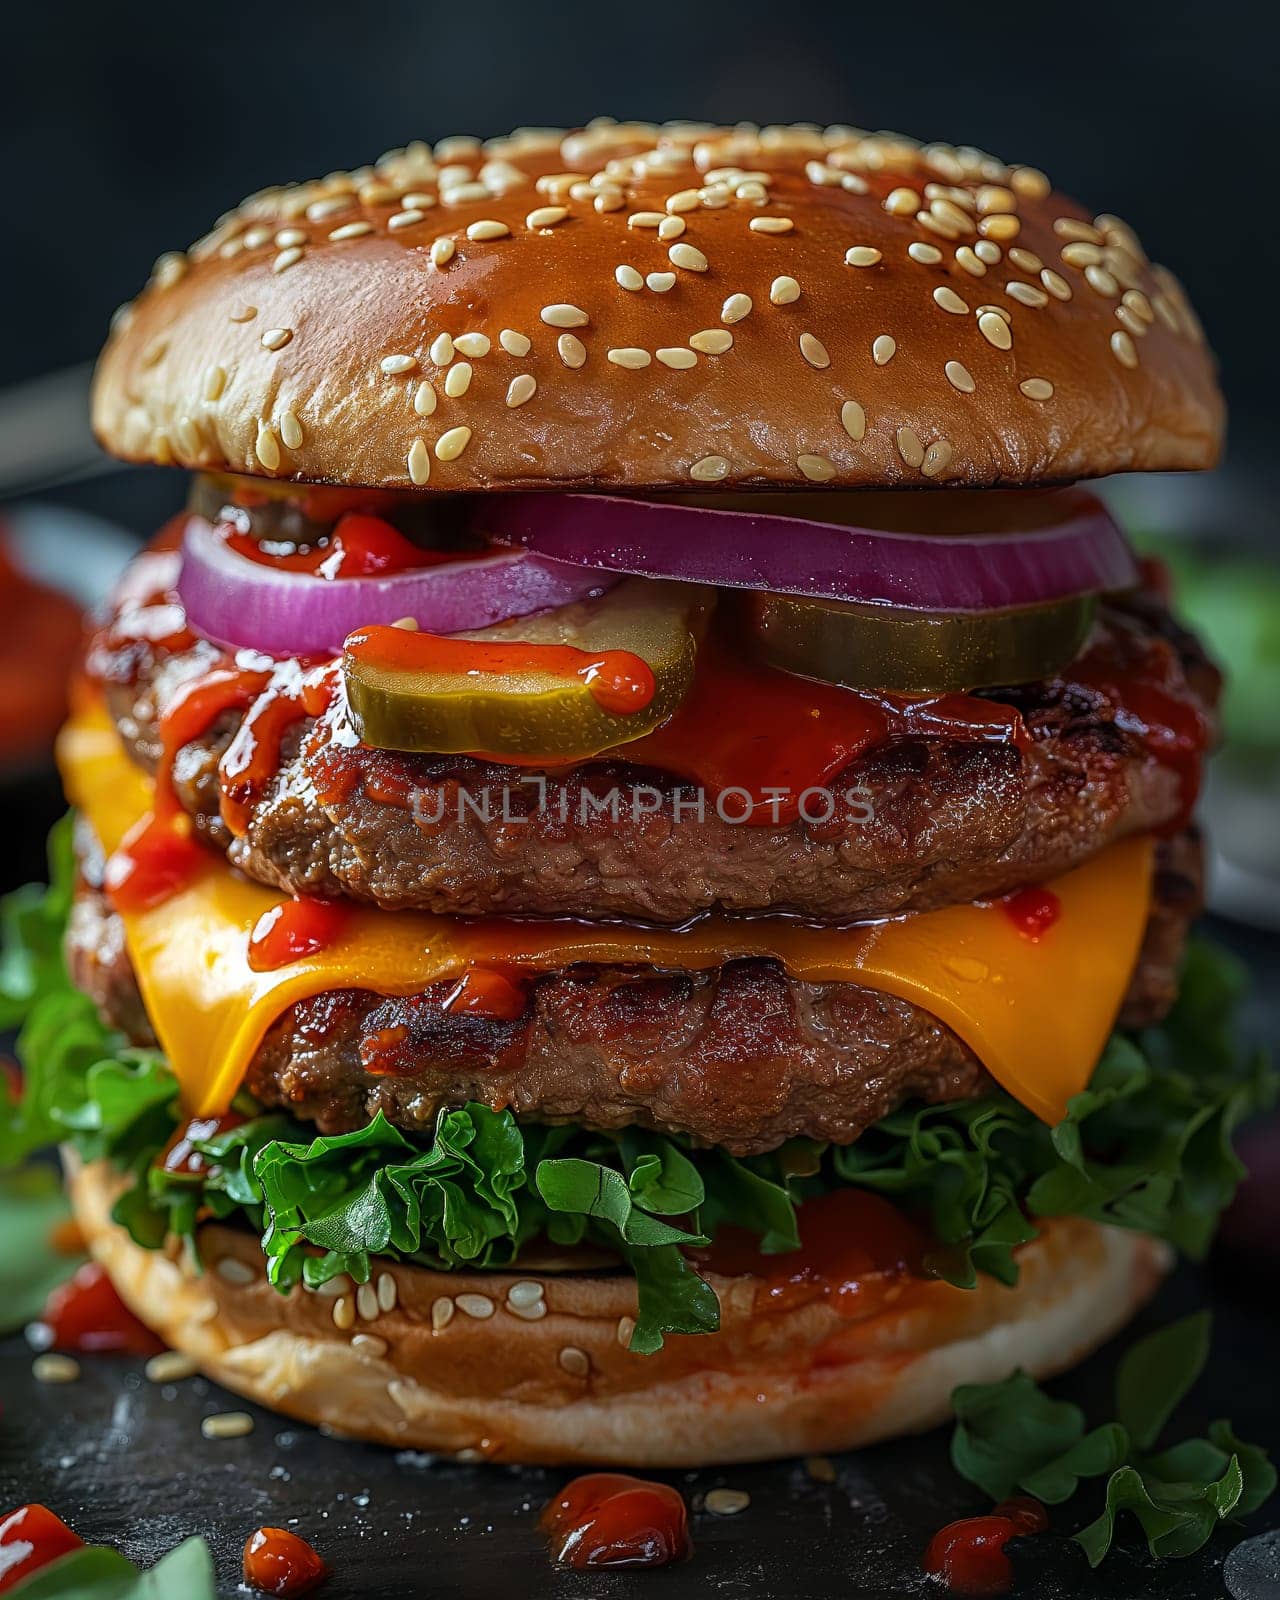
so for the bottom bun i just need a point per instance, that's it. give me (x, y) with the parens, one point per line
(523, 1367)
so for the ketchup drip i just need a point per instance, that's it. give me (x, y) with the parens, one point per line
(853, 1246)
(277, 1561)
(486, 992)
(969, 1555)
(610, 1519)
(86, 1314)
(180, 1157)
(294, 929)
(1033, 910)
(30, 1538)
(360, 546)
(292, 694)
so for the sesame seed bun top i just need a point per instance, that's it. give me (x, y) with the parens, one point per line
(639, 307)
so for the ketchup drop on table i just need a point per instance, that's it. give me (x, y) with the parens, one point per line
(30, 1538)
(87, 1314)
(610, 1519)
(279, 1562)
(969, 1555)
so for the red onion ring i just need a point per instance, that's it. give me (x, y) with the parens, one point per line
(242, 603)
(1084, 553)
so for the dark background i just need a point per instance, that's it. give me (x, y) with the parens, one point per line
(127, 128)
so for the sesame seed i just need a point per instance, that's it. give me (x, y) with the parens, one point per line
(521, 388)
(814, 351)
(1000, 311)
(487, 228)
(726, 1502)
(959, 377)
(1138, 303)
(989, 251)
(1029, 182)
(752, 191)
(424, 399)
(969, 260)
(901, 202)
(442, 250)
(609, 199)
(333, 1287)
(227, 1425)
(215, 381)
(671, 227)
(950, 301)
(861, 255)
(660, 282)
(189, 434)
(441, 351)
(626, 1327)
(351, 230)
(1056, 284)
(405, 219)
(170, 1366)
(1001, 226)
(475, 345)
(684, 200)
(54, 1368)
(450, 445)
(367, 1302)
(322, 210)
(1082, 255)
(1037, 388)
(995, 330)
(288, 236)
(478, 1306)
(525, 1293)
(515, 344)
(1026, 294)
(687, 256)
(290, 430)
(927, 255)
(546, 216)
(564, 316)
(851, 182)
(243, 313)
(1072, 228)
(712, 341)
(784, 291)
(266, 447)
(394, 365)
(883, 347)
(1124, 349)
(572, 350)
(631, 357)
(673, 356)
(937, 458)
(853, 419)
(710, 469)
(992, 197)
(442, 1313)
(1101, 282)
(418, 462)
(369, 1344)
(735, 308)
(574, 1361)
(628, 277)
(461, 194)
(909, 446)
(344, 1313)
(816, 468)
(771, 224)
(287, 258)
(255, 237)
(1025, 260)
(646, 219)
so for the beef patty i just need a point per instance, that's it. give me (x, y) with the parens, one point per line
(741, 1056)
(937, 819)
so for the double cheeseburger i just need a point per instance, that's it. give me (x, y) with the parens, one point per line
(633, 845)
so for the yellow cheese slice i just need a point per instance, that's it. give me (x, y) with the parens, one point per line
(1036, 1014)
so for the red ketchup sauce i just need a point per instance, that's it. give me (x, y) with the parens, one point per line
(969, 1555)
(30, 1538)
(1033, 911)
(180, 1156)
(360, 546)
(610, 1519)
(486, 992)
(294, 929)
(854, 1245)
(618, 680)
(86, 1314)
(279, 1562)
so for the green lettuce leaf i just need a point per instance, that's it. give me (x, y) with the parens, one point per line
(99, 1573)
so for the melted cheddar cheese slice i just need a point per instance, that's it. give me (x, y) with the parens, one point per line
(1036, 1014)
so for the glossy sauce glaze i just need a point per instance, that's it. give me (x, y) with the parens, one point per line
(295, 928)
(30, 1538)
(86, 1315)
(1032, 910)
(610, 1519)
(856, 1249)
(360, 546)
(969, 1555)
(279, 1562)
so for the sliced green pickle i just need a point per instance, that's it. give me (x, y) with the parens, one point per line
(561, 686)
(916, 652)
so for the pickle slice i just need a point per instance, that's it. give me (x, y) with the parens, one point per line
(561, 686)
(916, 652)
